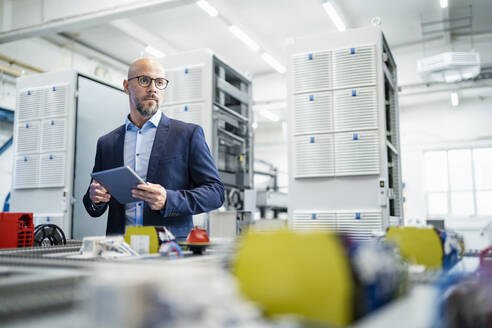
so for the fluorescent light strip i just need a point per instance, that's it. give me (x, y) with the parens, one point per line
(443, 3)
(154, 52)
(238, 33)
(335, 17)
(273, 62)
(208, 8)
(455, 100)
(269, 115)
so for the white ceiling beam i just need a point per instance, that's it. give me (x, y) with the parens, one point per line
(144, 36)
(86, 19)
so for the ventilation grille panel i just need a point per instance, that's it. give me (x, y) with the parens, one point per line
(355, 109)
(56, 101)
(354, 67)
(191, 113)
(312, 71)
(29, 104)
(314, 156)
(54, 135)
(319, 221)
(356, 153)
(314, 112)
(52, 170)
(187, 84)
(359, 225)
(26, 172)
(28, 136)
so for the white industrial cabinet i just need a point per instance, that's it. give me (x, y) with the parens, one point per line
(344, 159)
(58, 118)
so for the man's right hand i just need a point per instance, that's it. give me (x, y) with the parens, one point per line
(98, 194)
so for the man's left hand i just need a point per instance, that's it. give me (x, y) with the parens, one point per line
(154, 194)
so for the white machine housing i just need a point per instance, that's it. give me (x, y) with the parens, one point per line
(59, 117)
(344, 163)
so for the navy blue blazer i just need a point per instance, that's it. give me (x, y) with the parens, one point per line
(180, 161)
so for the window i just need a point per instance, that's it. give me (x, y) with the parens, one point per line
(459, 182)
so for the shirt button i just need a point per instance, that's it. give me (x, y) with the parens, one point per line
(139, 204)
(138, 154)
(139, 132)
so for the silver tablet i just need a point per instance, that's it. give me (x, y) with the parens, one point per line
(119, 182)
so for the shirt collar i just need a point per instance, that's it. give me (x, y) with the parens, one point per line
(154, 120)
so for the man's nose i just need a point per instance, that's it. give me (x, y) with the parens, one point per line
(152, 88)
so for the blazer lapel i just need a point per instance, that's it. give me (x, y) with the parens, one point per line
(119, 144)
(159, 147)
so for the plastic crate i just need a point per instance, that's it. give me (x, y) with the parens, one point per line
(16, 230)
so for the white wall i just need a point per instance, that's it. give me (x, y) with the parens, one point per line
(428, 121)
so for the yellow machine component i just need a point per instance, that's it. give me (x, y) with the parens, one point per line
(142, 239)
(417, 245)
(286, 272)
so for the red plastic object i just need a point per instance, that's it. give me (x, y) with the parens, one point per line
(16, 230)
(486, 260)
(197, 235)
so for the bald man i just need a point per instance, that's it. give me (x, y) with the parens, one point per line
(170, 155)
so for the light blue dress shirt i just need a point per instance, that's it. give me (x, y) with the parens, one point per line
(138, 146)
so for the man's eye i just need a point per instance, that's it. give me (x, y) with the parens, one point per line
(145, 79)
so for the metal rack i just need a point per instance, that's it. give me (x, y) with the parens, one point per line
(206, 91)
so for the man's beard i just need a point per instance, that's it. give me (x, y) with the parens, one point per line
(149, 111)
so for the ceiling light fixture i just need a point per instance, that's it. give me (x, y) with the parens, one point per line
(335, 17)
(273, 62)
(455, 100)
(208, 8)
(238, 33)
(154, 52)
(269, 115)
(443, 3)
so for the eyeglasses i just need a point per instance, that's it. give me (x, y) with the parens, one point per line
(144, 81)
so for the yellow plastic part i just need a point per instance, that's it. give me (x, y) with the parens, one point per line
(143, 231)
(286, 272)
(417, 245)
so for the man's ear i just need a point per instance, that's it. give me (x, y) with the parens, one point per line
(125, 86)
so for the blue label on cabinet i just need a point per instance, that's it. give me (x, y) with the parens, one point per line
(310, 56)
(52, 122)
(311, 97)
(27, 125)
(186, 108)
(312, 140)
(28, 92)
(355, 136)
(51, 156)
(354, 93)
(54, 88)
(352, 51)
(25, 159)
(313, 216)
(48, 219)
(186, 70)
(357, 216)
